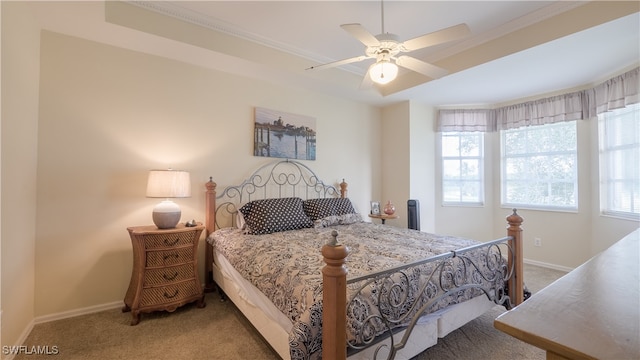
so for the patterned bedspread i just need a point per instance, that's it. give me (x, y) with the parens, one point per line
(286, 266)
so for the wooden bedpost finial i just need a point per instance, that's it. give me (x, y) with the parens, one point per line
(514, 219)
(334, 238)
(343, 189)
(211, 186)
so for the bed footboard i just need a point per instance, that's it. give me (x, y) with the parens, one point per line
(450, 276)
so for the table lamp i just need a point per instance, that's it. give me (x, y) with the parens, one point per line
(168, 184)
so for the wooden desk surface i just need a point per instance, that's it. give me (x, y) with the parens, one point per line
(592, 312)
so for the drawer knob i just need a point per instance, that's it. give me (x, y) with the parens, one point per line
(170, 277)
(171, 296)
(171, 243)
(174, 255)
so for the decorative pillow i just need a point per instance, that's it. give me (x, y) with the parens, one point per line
(273, 215)
(344, 219)
(324, 207)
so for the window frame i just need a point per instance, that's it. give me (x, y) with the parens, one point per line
(530, 154)
(481, 169)
(605, 151)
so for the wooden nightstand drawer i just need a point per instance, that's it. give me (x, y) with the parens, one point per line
(160, 241)
(167, 275)
(169, 257)
(169, 293)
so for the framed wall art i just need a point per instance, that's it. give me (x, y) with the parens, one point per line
(284, 135)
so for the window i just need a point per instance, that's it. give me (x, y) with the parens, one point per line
(539, 167)
(462, 168)
(619, 138)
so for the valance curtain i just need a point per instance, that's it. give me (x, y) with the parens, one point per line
(614, 93)
(467, 120)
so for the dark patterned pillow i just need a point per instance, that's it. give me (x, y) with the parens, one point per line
(273, 215)
(324, 207)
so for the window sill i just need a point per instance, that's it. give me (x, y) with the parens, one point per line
(540, 208)
(621, 216)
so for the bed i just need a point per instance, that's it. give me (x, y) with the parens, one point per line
(316, 281)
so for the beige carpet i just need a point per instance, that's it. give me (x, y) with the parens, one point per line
(219, 331)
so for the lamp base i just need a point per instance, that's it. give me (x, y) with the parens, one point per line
(166, 214)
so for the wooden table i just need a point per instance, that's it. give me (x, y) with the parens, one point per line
(590, 313)
(383, 217)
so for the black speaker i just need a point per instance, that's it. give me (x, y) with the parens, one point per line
(413, 214)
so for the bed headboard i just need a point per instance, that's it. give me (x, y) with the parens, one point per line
(278, 179)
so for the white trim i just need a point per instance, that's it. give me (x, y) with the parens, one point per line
(547, 265)
(185, 14)
(179, 12)
(60, 316)
(78, 312)
(21, 339)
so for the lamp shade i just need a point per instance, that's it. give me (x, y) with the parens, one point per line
(383, 72)
(169, 184)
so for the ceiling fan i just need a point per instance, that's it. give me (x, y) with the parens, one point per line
(387, 50)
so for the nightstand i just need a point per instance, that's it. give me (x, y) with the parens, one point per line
(165, 270)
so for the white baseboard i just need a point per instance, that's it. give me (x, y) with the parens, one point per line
(547, 265)
(78, 312)
(21, 340)
(59, 316)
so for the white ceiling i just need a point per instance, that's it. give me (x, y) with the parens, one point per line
(309, 33)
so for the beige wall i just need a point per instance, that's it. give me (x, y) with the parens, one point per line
(396, 180)
(108, 115)
(20, 72)
(408, 161)
(422, 166)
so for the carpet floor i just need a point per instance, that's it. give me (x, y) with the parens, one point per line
(219, 331)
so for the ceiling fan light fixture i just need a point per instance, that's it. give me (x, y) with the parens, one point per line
(383, 72)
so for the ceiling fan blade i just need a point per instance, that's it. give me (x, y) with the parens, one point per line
(338, 63)
(360, 33)
(437, 37)
(421, 67)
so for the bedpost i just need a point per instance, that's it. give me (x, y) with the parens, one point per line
(210, 225)
(343, 189)
(334, 300)
(516, 282)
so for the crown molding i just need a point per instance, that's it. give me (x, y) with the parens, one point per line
(175, 10)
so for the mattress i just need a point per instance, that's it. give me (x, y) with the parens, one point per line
(285, 267)
(275, 327)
